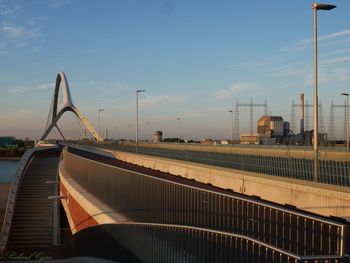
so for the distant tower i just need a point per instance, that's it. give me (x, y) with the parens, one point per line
(331, 130)
(265, 108)
(307, 106)
(251, 117)
(322, 125)
(345, 120)
(236, 122)
(302, 130)
(292, 118)
(251, 106)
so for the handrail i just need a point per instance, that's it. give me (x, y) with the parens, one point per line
(285, 252)
(11, 200)
(341, 227)
(267, 204)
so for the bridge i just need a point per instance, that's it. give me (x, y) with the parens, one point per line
(175, 203)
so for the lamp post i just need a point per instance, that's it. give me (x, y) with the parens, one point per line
(347, 119)
(179, 127)
(137, 115)
(99, 121)
(231, 111)
(316, 7)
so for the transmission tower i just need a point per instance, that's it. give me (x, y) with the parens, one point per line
(251, 105)
(331, 130)
(292, 118)
(236, 122)
(307, 118)
(332, 120)
(307, 124)
(322, 124)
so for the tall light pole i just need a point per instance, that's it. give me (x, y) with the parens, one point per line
(231, 125)
(137, 115)
(347, 119)
(99, 121)
(316, 7)
(179, 127)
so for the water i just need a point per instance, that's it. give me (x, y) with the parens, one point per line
(7, 170)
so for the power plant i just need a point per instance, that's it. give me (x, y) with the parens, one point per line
(274, 130)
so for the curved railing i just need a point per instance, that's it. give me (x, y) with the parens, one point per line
(157, 201)
(332, 172)
(11, 201)
(194, 244)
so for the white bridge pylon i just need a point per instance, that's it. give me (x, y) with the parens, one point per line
(61, 81)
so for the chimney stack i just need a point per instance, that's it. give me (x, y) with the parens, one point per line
(302, 113)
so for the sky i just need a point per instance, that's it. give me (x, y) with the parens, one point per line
(193, 58)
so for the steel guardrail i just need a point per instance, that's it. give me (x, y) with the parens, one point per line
(161, 192)
(11, 200)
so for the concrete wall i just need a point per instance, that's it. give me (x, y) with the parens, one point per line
(322, 199)
(82, 208)
(313, 197)
(294, 152)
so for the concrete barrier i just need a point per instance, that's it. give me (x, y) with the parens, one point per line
(322, 199)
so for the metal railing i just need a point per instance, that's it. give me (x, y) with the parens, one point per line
(11, 201)
(174, 243)
(284, 164)
(148, 199)
(6, 226)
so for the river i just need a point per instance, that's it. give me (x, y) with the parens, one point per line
(7, 170)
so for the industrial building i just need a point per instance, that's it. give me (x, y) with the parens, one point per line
(270, 130)
(273, 130)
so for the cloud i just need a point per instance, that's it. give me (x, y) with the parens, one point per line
(15, 34)
(59, 3)
(235, 88)
(308, 42)
(20, 33)
(309, 78)
(35, 88)
(150, 101)
(8, 8)
(336, 60)
(341, 74)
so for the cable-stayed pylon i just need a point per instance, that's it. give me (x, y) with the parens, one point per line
(54, 115)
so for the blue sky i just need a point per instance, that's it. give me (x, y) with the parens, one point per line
(193, 58)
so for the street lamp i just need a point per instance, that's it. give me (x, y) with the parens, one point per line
(316, 7)
(99, 121)
(137, 114)
(179, 127)
(347, 119)
(231, 125)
